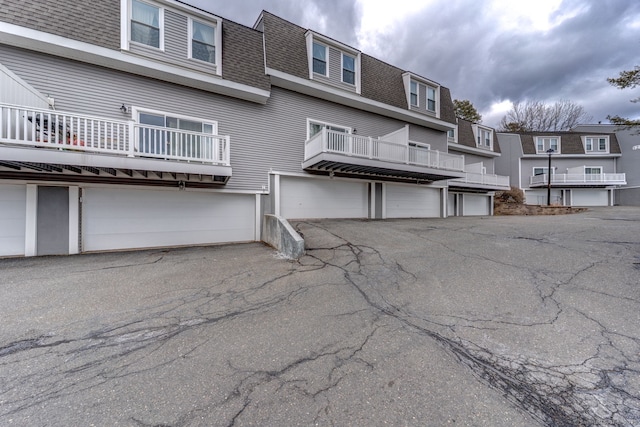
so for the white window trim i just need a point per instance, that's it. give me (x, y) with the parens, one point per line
(596, 144)
(218, 46)
(323, 123)
(312, 37)
(419, 145)
(355, 66)
(453, 138)
(135, 114)
(126, 25)
(544, 147)
(544, 168)
(593, 167)
(417, 104)
(436, 100)
(326, 54)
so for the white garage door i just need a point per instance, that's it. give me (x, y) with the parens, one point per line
(13, 206)
(475, 204)
(129, 218)
(404, 201)
(589, 197)
(319, 198)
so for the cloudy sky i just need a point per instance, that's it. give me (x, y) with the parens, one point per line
(492, 52)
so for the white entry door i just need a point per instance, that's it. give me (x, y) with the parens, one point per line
(134, 218)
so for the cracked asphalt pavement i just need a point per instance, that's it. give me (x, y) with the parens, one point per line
(493, 321)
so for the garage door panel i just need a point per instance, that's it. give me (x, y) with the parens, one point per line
(412, 202)
(123, 218)
(13, 202)
(316, 198)
(475, 205)
(589, 197)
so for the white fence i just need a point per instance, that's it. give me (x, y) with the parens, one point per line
(571, 178)
(328, 141)
(485, 179)
(35, 127)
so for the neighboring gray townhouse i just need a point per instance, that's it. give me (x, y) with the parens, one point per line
(629, 161)
(473, 194)
(584, 166)
(149, 123)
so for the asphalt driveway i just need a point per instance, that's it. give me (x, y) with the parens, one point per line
(499, 321)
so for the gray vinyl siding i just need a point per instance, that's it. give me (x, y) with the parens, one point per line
(263, 137)
(507, 163)
(335, 71)
(176, 44)
(436, 139)
(469, 159)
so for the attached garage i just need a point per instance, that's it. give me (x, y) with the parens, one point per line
(323, 198)
(133, 218)
(13, 205)
(590, 197)
(405, 201)
(476, 204)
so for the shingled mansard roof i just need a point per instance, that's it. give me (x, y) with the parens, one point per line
(466, 137)
(570, 142)
(286, 51)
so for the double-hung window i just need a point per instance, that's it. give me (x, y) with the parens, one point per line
(431, 99)
(595, 144)
(203, 42)
(348, 69)
(319, 59)
(145, 24)
(414, 93)
(547, 143)
(541, 171)
(484, 137)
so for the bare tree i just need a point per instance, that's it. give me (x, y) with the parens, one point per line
(536, 116)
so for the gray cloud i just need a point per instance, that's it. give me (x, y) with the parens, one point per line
(460, 45)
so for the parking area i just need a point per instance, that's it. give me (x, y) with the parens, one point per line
(485, 321)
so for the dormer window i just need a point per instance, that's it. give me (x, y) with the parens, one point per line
(484, 137)
(596, 144)
(146, 24)
(422, 95)
(333, 63)
(319, 59)
(348, 69)
(544, 143)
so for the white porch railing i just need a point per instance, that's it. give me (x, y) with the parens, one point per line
(488, 179)
(570, 178)
(33, 127)
(328, 141)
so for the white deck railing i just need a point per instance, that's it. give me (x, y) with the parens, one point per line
(484, 179)
(328, 141)
(34, 127)
(571, 178)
